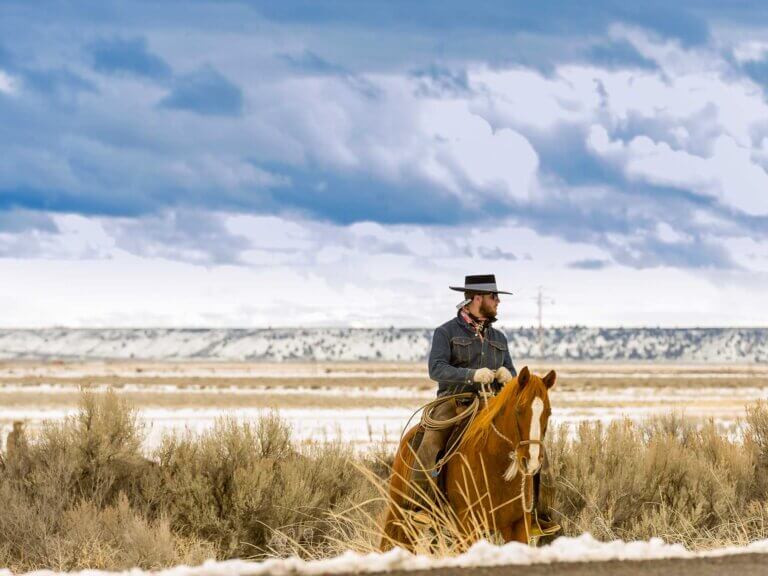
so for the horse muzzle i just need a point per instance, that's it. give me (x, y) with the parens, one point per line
(529, 464)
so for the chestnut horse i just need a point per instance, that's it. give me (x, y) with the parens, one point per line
(489, 480)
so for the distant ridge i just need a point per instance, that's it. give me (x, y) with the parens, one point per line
(382, 344)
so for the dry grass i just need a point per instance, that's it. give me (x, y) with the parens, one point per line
(666, 478)
(216, 375)
(221, 400)
(81, 494)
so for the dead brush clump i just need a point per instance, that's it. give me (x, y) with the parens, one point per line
(82, 494)
(246, 488)
(664, 478)
(72, 498)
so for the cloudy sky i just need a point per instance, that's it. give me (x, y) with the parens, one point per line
(209, 163)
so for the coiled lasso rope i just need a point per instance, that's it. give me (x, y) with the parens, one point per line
(429, 423)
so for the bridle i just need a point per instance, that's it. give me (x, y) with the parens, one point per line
(520, 462)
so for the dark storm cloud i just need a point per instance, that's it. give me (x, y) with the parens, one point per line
(589, 264)
(188, 236)
(516, 16)
(617, 54)
(57, 82)
(496, 254)
(437, 81)
(16, 220)
(308, 61)
(127, 56)
(205, 91)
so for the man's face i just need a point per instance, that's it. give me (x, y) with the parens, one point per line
(488, 305)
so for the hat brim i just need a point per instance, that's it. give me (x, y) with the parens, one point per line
(470, 289)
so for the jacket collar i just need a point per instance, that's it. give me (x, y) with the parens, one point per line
(468, 327)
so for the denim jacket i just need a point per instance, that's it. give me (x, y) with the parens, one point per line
(457, 351)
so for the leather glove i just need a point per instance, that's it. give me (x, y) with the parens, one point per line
(484, 376)
(503, 375)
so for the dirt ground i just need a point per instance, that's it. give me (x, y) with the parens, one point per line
(347, 385)
(577, 376)
(741, 564)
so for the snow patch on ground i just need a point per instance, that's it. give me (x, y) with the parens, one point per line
(580, 549)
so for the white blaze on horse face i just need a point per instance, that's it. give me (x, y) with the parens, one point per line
(534, 449)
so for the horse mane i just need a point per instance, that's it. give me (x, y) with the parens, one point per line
(477, 432)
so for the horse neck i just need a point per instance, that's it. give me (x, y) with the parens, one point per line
(506, 421)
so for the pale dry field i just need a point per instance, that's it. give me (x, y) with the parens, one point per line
(363, 403)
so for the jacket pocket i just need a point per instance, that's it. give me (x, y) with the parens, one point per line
(460, 349)
(499, 349)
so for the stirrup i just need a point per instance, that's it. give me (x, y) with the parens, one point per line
(539, 528)
(419, 517)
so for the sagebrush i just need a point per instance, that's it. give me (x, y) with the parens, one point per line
(82, 493)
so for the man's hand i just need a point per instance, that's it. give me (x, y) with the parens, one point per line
(503, 375)
(484, 376)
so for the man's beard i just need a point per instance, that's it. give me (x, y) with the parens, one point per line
(487, 312)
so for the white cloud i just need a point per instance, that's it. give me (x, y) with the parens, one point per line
(465, 142)
(312, 273)
(666, 233)
(689, 124)
(728, 174)
(750, 51)
(8, 84)
(473, 142)
(401, 137)
(527, 98)
(750, 253)
(668, 54)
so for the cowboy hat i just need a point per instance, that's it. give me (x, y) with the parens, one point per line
(483, 284)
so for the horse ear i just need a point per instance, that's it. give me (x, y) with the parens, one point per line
(549, 379)
(523, 377)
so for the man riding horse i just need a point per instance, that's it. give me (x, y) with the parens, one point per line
(468, 355)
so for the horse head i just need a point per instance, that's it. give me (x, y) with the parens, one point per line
(515, 420)
(522, 420)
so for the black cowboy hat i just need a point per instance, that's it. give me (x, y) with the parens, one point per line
(483, 284)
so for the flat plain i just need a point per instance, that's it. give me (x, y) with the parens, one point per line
(360, 402)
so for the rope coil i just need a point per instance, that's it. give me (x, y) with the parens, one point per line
(430, 423)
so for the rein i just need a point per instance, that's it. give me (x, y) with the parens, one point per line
(522, 469)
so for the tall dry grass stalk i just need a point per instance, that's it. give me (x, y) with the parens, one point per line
(433, 528)
(82, 494)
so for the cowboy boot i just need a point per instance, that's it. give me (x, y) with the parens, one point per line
(423, 481)
(541, 523)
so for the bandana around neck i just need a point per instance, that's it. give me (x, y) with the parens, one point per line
(478, 325)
